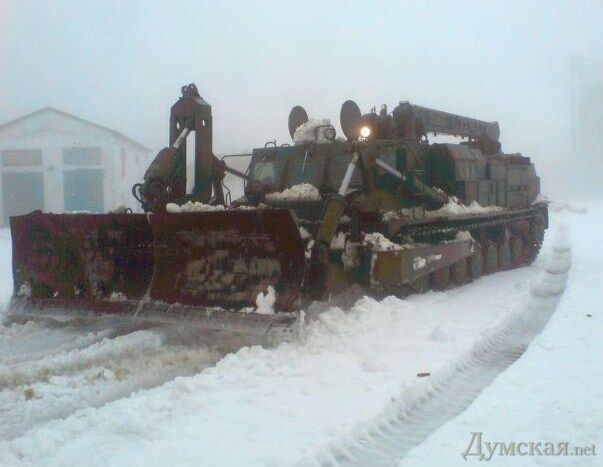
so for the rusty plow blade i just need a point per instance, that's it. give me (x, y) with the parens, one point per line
(205, 267)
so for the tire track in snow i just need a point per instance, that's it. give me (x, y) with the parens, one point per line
(32, 341)
(413, 417)
(87, 369)
(71, 361)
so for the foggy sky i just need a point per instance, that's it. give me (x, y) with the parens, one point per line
(121, 63)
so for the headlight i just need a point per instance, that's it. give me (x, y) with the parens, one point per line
(365, 131)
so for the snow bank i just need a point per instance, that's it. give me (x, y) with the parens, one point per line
(301, 192)
(307, 133)
(192, 206)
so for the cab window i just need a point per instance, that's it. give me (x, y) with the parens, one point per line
(309, 171)
(267, 172)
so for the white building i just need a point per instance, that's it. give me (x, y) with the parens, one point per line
(56, 162)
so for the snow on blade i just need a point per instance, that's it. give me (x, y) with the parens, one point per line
(192, 206)
(265, 302)
(301, 192)
(310, 133)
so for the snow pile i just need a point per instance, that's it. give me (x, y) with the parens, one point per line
(390, 216)
(301, 192)
(245, 207)
(463, 236)
(265, 302)
(455, 208)
(307, 132)
(192, 206)
(120, 209)
(117, 297)
(400, 214)
(349, 257)
(420, 262)
(308, 251)
(304, 234)
(378, 242)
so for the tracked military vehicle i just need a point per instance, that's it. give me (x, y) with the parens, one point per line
(381, 208)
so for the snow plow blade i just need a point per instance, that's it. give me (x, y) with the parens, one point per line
(206, 266)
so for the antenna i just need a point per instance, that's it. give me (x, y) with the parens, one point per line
(349, 118)
(297, 117)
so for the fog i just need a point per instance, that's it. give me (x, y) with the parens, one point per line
(121, 64)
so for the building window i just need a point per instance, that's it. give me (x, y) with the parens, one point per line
(82, 156)
(21, 157)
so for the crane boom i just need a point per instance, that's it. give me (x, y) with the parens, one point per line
(423, 119)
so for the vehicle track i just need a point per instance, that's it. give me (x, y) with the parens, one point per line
(52, 372)
(413, 418)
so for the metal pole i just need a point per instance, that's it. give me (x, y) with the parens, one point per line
(418, 184)
(348, 175)
(236, 172)
(390, 169)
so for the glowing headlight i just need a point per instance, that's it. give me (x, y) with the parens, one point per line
(365, 131)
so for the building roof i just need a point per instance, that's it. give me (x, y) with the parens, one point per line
(117, 134)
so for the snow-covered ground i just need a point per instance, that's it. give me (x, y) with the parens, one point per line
(554, 393)
(114, 395)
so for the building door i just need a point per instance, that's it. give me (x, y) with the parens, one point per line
(83, 190)
(22, 192)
